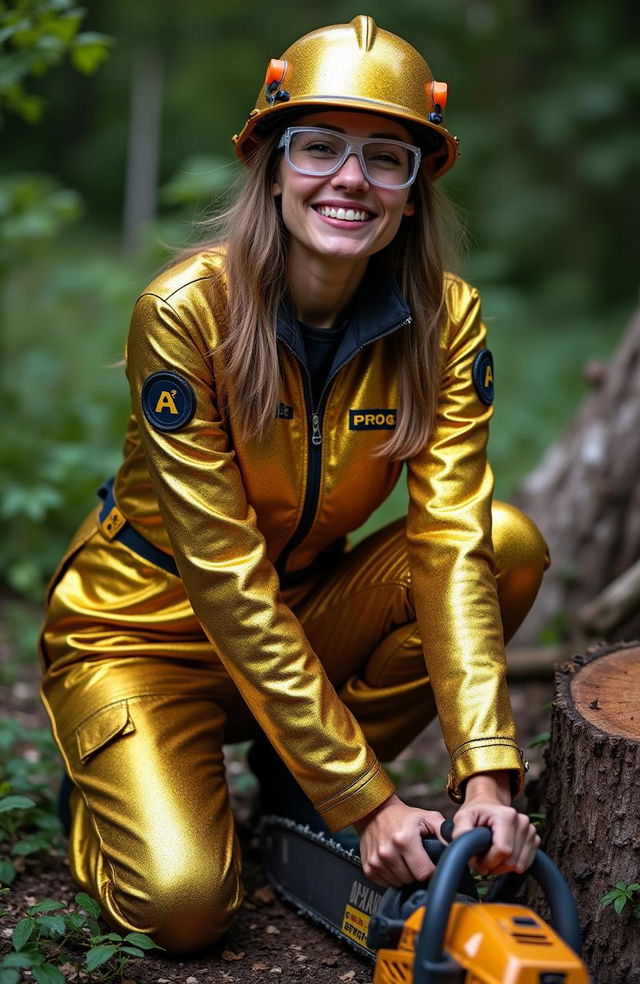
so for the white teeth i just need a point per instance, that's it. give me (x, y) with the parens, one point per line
(348, 215)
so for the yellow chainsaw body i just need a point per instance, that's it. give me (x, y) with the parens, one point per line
(495, 943)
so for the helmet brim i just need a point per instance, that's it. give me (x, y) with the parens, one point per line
(439, 147)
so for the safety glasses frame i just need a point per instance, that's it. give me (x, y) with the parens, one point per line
(353, 145)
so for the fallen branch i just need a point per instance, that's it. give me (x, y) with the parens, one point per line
(611, 607)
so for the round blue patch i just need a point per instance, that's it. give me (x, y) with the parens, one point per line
(482, 373)
(168, 401)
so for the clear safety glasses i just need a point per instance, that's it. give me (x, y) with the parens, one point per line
(316, 151)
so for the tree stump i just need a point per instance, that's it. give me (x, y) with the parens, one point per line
(592, 799)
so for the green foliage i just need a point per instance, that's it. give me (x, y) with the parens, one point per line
(417, 776)
(31, 769)
(57, 943)
(199, 180)
(539, 821)
(540, 741)
(622, 894)
(35, 36)
(64, 337)
(33, 210)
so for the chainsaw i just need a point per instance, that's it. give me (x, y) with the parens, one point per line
(440, 933)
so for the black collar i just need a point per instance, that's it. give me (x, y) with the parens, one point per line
(377, 308)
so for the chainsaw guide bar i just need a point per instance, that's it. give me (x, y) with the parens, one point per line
(323, 880)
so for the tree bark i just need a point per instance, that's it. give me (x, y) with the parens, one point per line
(592, 802)
(585, 497)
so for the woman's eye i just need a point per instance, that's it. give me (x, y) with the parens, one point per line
(389, 160)
(320, 148)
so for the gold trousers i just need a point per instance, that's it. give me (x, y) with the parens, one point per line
(141, 706)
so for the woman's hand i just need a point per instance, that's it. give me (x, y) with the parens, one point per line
(488, 804)
(391, 843)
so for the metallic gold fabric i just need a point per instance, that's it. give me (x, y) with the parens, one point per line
(141, 705)
(228, 508)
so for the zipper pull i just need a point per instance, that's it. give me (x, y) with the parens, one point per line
(316, 437)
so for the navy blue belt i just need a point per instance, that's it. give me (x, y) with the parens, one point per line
(115, 527)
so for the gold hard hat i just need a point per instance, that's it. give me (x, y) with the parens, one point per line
(355, 66)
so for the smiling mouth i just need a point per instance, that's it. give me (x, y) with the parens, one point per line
(344, 214)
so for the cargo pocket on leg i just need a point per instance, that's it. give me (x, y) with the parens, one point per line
(101, 728)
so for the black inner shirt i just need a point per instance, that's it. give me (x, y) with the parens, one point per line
(321, 345)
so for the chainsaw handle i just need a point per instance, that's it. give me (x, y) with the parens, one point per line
(431, 964)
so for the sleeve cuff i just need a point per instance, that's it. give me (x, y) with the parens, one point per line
(361, 798)
(486, 755)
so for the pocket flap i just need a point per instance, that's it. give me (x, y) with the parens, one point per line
(94, 733)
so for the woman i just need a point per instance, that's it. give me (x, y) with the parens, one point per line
(280, 378)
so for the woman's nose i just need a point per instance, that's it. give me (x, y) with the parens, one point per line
(350, 175)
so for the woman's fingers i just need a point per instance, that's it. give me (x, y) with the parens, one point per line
(387, 868)
(514, 838)
(391, 843)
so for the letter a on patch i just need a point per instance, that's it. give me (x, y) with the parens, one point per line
(482, 373)
(168, 401)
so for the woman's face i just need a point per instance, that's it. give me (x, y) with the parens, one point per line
(307, 200)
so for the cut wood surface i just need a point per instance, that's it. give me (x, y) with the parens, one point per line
(606, 692)
(592, 801)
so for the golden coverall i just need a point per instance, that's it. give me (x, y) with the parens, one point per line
(147, 673)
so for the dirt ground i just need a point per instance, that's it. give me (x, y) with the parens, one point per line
(269, 940)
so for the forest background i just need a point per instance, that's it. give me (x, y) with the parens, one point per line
(99, 172)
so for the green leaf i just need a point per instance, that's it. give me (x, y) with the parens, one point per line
(9, 976)
(89, 51)
(54, 925)
(29, 845)
(144, 942)
(47, 905)
(23, 932)
(88, 904)
(620, 903)
(15, 803)
(99, 955)
(76, 920)
(634, 887)
(18, 960)
(610, 897)
(48, 974)
(133, 950)
(7, 872)
(542, 739)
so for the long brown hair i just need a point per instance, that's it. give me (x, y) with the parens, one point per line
(254, 240)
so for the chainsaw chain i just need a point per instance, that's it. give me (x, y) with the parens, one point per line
(328, 844)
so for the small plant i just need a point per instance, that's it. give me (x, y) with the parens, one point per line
(538, 820)
(57, 944)
(620, 895)
(30, 765)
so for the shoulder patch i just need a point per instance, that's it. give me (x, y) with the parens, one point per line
(482, 373)
(168, 400)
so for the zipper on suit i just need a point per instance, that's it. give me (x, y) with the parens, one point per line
(314, 469)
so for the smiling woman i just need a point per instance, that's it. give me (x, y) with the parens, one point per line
(281, 374)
